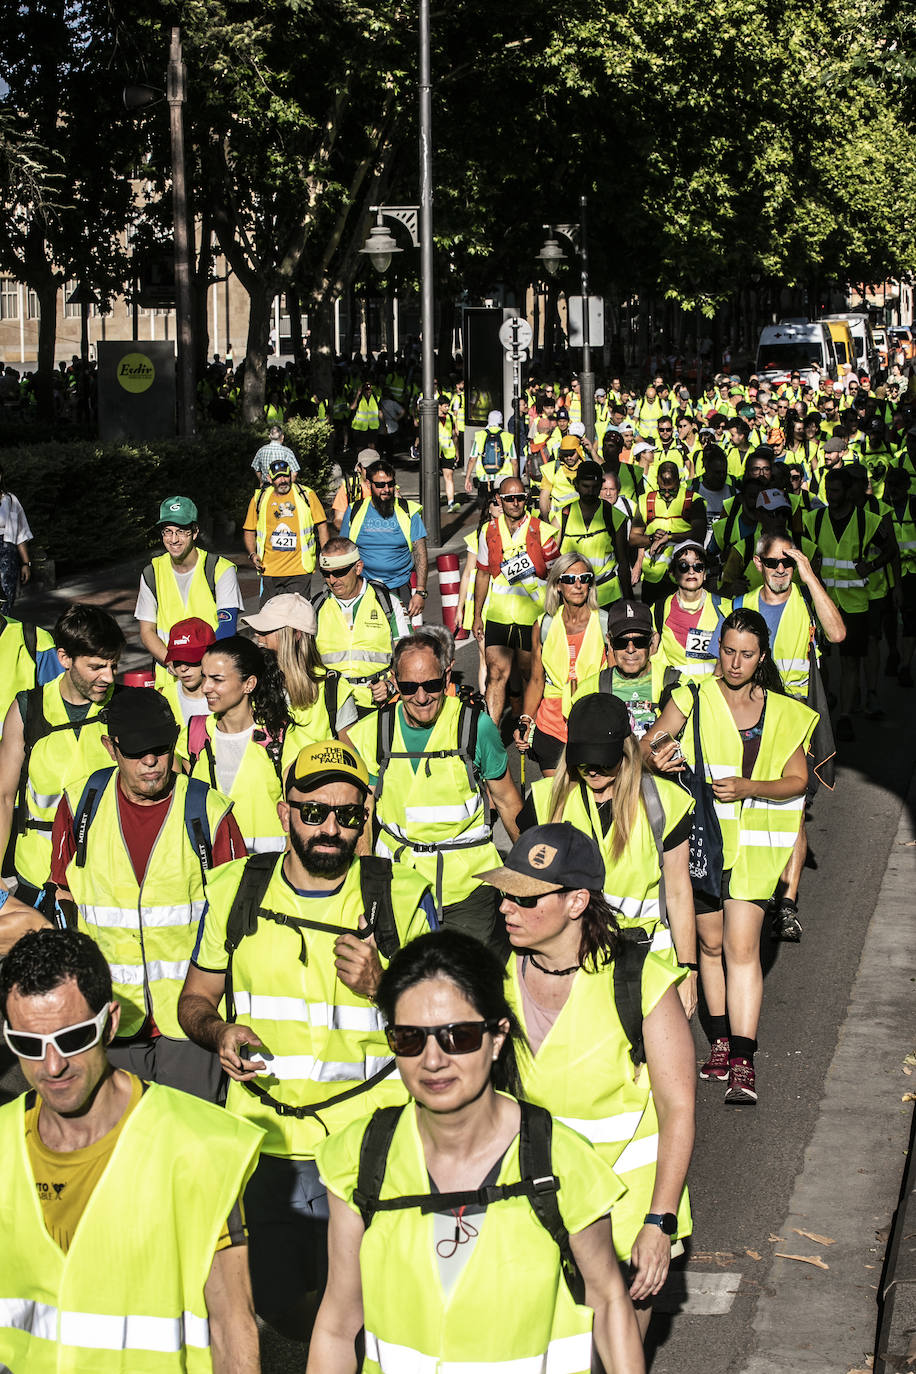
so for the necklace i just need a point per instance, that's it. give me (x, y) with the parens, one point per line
(554, 972)
(697, 604)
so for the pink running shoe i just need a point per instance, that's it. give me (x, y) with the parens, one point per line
(741, 1090)
(716, 1066)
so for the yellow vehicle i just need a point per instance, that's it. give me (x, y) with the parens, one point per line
(842, 344)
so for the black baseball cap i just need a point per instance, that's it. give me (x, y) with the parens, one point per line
(548, 858)
(629, 617)
(561, 413)
(140, 720)
(598, 724)
(590, 470)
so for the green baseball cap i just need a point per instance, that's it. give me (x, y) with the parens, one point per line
(178, 510)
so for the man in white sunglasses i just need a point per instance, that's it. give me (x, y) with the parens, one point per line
(123, 1236)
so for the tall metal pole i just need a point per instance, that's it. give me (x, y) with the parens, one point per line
(586, 376)
(429, 419)
(184, 331)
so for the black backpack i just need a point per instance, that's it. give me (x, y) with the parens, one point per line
(538, 1182)
(375, 875)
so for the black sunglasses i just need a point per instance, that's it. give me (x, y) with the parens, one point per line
(530, 900)
(458, 1037)
(410, 689)
(778, 562)
(631, 641)
(682, 565)
(351, 816)
(380, 486)
(339, 572)
(513, 496)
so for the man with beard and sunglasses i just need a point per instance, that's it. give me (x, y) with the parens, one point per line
(295, 944)
(123, 1234)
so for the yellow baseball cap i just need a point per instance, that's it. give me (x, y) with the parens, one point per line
(327, 761)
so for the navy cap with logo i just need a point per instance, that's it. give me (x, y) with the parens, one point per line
(547, 858)
(140, 721)
(561, 413)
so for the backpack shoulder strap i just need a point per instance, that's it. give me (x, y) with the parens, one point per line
(546, 622)
(564, 520)
(373, 1159)
(819, 523)
(655, 812)
(319, 599)
(86, 808)
(384, 596)
(536, 1165)
(197, 737)
(658, 614)
(628, 966)
(243, 914)
(468, 722)
(384, 742)
(331, 694)
(197, 823)
(30, 639)
(210, 562)
(404, 504)
(149, 577)
(375, 874)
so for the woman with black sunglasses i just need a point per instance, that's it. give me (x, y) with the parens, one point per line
(611, 1052)
(689, 618)
(427, 1283)
(567, 652)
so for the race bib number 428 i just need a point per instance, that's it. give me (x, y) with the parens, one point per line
(517, 568)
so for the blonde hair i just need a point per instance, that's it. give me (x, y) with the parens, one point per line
(563, 565)
(627, 794)
(301, 666)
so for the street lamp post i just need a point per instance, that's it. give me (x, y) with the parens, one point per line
(379, 247)
(550, 256)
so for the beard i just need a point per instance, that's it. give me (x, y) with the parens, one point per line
(332, 861)
(384, 505)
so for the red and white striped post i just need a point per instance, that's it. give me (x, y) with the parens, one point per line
(449, 585)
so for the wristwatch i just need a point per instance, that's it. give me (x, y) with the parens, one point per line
(665, 1221)
(421, 591)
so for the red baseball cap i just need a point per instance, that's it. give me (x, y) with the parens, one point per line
(189, 640)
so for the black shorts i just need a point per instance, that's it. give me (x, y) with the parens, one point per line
(879, 610)
(855, 645)
(498, 635)
(546, 748)
(704, 902)
(448, 464)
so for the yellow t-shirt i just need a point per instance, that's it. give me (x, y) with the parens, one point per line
(65, 1180)
(282, 554)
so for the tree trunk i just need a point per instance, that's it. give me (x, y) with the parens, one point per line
(294, 310)
(45, 289)
(260, 303)
(200, 292)
(321, 344)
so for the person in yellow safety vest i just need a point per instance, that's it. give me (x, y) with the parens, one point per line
(244, 746)
(281, 987)
(634, 672)
(669, 513)
(903, 513)
(448, 451)
(437, 765)
(649, 410)
(365, 412)
(753, 740)
(574, 400)
(359, 623)
(132, 845)
(83, 1290)
(602, 416)
(689, 618)
(559, 432)
(189, 640)
(184, 581)
(269, 453)
(558, 478)
(284, 527)
(514, 554)
(853, 545)
(567, 652)
(52, 736)
(27, 659)
(793, 614)
(597, 531)
(494, 457)
(456, 406)
(667, 445)
(621, 1075)
(453, 1320)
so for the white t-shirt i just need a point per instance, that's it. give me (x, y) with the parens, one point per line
(227, 755)
(227, 593)
(191, 706)
(14, 528)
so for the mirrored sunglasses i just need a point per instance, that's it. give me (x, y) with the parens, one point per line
(68, 1041)
(569, 579)
(350, 816)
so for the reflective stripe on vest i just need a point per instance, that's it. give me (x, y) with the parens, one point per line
(299, 1067)
(564, 1355)
(327, 1014)
(100, 1331)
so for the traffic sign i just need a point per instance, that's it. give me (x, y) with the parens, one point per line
(515, 335)
(595, 321)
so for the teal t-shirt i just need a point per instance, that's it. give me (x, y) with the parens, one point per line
(490, 755)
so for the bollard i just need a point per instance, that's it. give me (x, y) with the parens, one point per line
(449, 584)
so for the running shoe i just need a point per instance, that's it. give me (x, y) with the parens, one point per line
(786, 925)
(741, 1090)
(716, 1067)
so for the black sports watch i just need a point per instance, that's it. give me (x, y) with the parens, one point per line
(665, 1221)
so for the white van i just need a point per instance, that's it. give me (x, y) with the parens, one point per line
(803, 346)
(866, 350)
